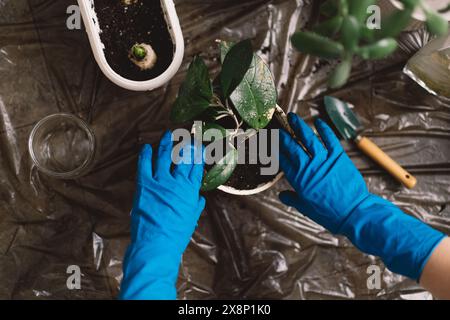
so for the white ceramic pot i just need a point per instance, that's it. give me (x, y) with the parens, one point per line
(91, 24)
(281, 116)
(260, 188)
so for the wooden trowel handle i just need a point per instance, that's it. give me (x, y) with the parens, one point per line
(378, 155)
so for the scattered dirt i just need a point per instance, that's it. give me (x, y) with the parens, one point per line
(123, 26)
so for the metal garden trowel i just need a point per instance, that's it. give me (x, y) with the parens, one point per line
(349, 127)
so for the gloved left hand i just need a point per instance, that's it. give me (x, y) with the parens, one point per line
(166, 208)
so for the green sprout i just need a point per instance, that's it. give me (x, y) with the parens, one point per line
(344, 34)
(139, 52)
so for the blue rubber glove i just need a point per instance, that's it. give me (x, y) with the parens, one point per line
(330, 190)
(166, 208)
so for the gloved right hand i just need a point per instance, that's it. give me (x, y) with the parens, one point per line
(330, 190)
(327, 184)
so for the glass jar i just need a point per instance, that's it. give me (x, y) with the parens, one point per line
(62, 146)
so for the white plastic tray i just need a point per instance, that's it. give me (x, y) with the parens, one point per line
(93, 30)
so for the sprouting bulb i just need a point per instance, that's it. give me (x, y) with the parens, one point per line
(143, 56)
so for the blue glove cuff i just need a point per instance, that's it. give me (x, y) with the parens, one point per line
(155, 266)
(404, 243)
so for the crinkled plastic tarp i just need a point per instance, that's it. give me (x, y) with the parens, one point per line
(245, 247)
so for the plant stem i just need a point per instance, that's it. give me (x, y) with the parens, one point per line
(236, 120)
(227, 110)
(217, 101)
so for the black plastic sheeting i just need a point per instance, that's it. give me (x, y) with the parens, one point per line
(245, 247)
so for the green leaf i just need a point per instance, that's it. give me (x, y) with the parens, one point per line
(235, 65)
(350, 33)
(358, 9)
(436, 24)
(410, 3)
(195, 93)
(330, 27)
(392, 25)
(343, 8)
(317, 45)
(367, 34)
(330, 8)
(255, 98)
(207, 135)
(378, 50)
(221, 172)
(340, 75)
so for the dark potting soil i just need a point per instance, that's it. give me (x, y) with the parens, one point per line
(248, 176)
(124, 26)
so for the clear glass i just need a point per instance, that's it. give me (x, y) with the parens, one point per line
(62, 146)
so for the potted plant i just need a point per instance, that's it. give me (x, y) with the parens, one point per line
(239, 103)
(343, 33)
(137, 44)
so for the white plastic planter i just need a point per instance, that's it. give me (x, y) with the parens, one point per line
(91, 24)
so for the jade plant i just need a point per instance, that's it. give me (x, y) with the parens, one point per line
(343, 33)
(244, 91)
